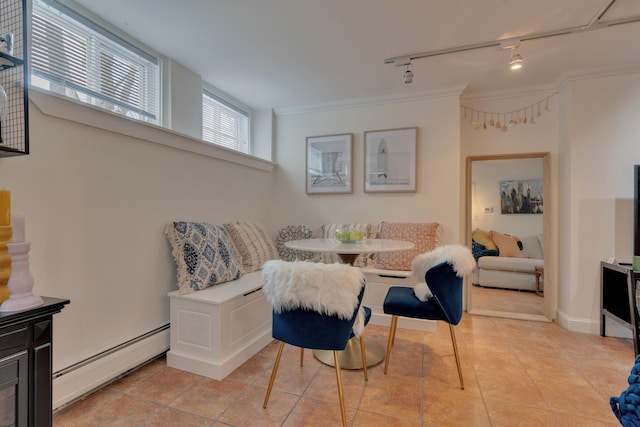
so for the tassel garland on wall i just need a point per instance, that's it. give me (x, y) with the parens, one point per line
(479, 119)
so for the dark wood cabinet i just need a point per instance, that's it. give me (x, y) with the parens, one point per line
(26, 339)
(618, 298)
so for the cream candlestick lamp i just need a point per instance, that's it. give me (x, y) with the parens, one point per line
(21, 281)
(5, 237)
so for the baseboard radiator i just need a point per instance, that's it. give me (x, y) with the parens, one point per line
(80, 379)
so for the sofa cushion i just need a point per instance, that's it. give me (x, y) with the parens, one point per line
(507, 245)
(531, 247)
(252, 246)
(203, 255)
(425, 237)
(521, 265)
(482, 237)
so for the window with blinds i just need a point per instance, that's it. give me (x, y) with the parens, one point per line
(224, 124)
(74, 57)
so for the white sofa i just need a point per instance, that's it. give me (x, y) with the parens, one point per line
(511, 272)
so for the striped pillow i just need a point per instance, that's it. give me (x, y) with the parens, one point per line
(252, 246)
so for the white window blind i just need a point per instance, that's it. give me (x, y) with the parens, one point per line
(73, 56)
(224, 124)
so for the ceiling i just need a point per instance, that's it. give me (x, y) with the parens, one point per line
(292, 53)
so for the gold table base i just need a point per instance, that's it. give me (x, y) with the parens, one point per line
(350, 357)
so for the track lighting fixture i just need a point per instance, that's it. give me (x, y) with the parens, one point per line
(515, 62)
(408, 74)
(406, 63)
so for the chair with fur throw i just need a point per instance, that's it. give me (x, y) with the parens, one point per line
(316, 306)
(437, 296)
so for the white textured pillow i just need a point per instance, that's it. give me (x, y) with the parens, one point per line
(459, 256)
(252, 246)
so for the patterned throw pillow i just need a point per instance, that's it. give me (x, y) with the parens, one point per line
(425, 237)
(294, 232)
(203, 255)
(252, 246)
(363, 260)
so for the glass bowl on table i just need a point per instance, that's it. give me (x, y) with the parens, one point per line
(350, 236)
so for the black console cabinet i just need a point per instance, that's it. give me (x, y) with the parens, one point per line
(25, 364)
(618, 298)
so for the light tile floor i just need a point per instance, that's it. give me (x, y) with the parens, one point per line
(516, 373)
(507, 300)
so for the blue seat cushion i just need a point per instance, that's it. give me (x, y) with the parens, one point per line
(401, 301)
(310, 329)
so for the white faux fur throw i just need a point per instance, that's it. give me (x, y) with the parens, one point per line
(460, 258)
(331, 289)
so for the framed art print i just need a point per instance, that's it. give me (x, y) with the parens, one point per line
(390, 160)
(329, 164)
(524, 196)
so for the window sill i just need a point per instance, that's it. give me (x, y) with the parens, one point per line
(67, 109)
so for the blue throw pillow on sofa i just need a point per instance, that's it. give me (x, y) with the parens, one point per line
(478, 250)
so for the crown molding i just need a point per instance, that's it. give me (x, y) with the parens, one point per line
(543, 90)
(369, 101)
(594, 73)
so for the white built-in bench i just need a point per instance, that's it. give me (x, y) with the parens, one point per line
(217, 329)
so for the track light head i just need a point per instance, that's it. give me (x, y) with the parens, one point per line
(408, 74)
(515, 62)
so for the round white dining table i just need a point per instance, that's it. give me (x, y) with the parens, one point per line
(350, 357)
(348, 252)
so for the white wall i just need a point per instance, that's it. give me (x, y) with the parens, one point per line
(184, 98)
(600, 146)
(96, 204)
(439, 173)
(487, 175)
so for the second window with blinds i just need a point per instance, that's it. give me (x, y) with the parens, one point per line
(224, 124)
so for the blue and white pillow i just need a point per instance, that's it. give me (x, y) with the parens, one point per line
(203, 255)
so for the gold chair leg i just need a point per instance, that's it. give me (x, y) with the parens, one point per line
(363, 351)
(392, 337)
(455, 352)
(343, 411)
(273, 375)
(301, 356)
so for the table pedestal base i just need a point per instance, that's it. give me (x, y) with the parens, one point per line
(350, 357)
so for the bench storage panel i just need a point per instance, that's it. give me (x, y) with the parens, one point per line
(215, 330)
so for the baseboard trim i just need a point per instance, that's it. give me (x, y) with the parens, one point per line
(88, 377)
(588, 326)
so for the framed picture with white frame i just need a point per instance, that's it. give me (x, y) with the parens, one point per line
(329, 164)
(390, 160)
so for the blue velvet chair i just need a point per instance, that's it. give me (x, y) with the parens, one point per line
(445, 305)
(310, 329)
